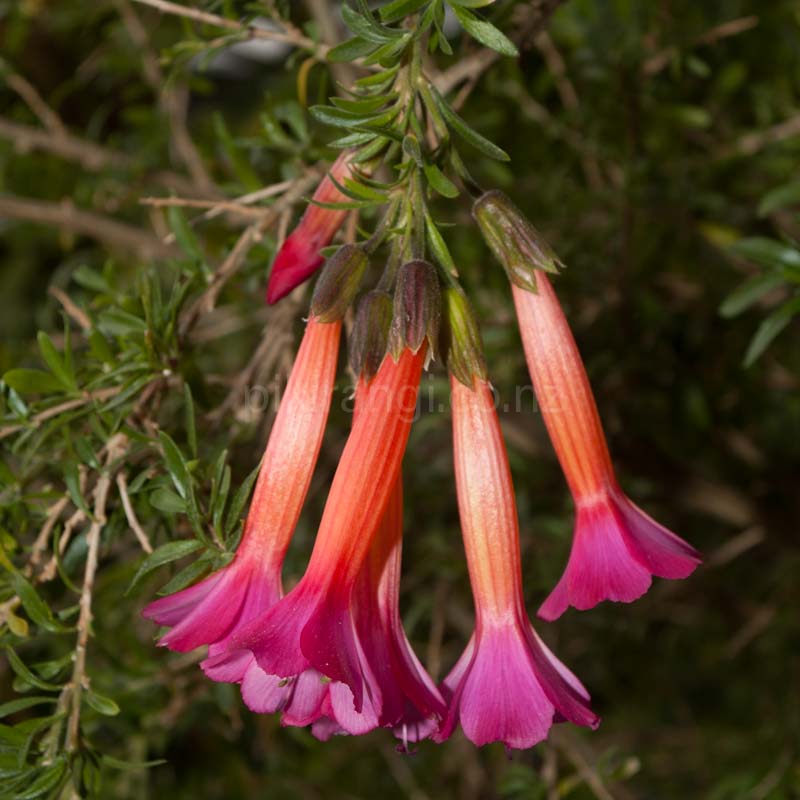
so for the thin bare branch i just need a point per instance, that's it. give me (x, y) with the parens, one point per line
(72, 310)
(236, 257)
(86, 223)
(30, 94)
(656, 63)
(133, 521)
(114, 449)
(89, 155)
(68, 405)
(291, 36)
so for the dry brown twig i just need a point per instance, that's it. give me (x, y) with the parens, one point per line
(290, 36)
(30, 94)
(656, 63)
(115, 449)
(248, 238)
(130, 514)
(65, 215)
(70, 308)
(173, 99)
(68, 405)
(88, 154)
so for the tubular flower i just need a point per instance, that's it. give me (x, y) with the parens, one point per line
(299, 257)
(507, 686)
(616, 546)
(410, 702)
(313, 627)
(214, 609)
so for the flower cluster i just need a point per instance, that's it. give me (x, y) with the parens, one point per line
(331, 653)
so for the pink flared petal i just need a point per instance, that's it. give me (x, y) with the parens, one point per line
(215, 615)
(274, 636)
(451, 688)
(601, 565)
(344, 711)
(309, 699)
(501, 698)
(226, 665)
(569, 677)
(665, 554)
(329, 641)
(170, 610)
(557, 601)
(560, 684)
(325, 728)
(262, 693)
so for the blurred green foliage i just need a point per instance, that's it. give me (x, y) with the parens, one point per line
(656, 144)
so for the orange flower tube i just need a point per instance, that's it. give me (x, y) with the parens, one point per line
(212, 610)
(313, 626)
(616, 546)
(507, 686)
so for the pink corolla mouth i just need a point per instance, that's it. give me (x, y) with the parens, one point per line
(507, 687)
(309, 628)
(304, 699)
(214, 609)
(616, 550)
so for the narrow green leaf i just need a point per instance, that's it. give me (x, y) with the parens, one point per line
(780, 197)
(165, 554)
(32, 381)
(239, 500)
(117, 322)
(46, 782)
(398, 9)
(363, 105)
(769, 329)
(440, 182)
(485, 32)
(353, 139)
(34, 606)
(55, 361)
(749, 293)
(101, 704)
(767, 252)
(412, 149)
(191, 427)
(438, 245)
(468, 134)
(184, 235)
(117, 763)
(26, 675)
(166, 500)
(176, 464)
(363, 24)
(350, 50)
(73, 481)
(185, 577)
(20, 704)
(91, 279)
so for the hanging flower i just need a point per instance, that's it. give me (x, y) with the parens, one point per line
(616, 546)
(507, 686)
(299, 256)
(214, 609)
(314, 625)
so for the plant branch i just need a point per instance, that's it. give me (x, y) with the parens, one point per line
(290, 36)
(86, 223)
(114, 449)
